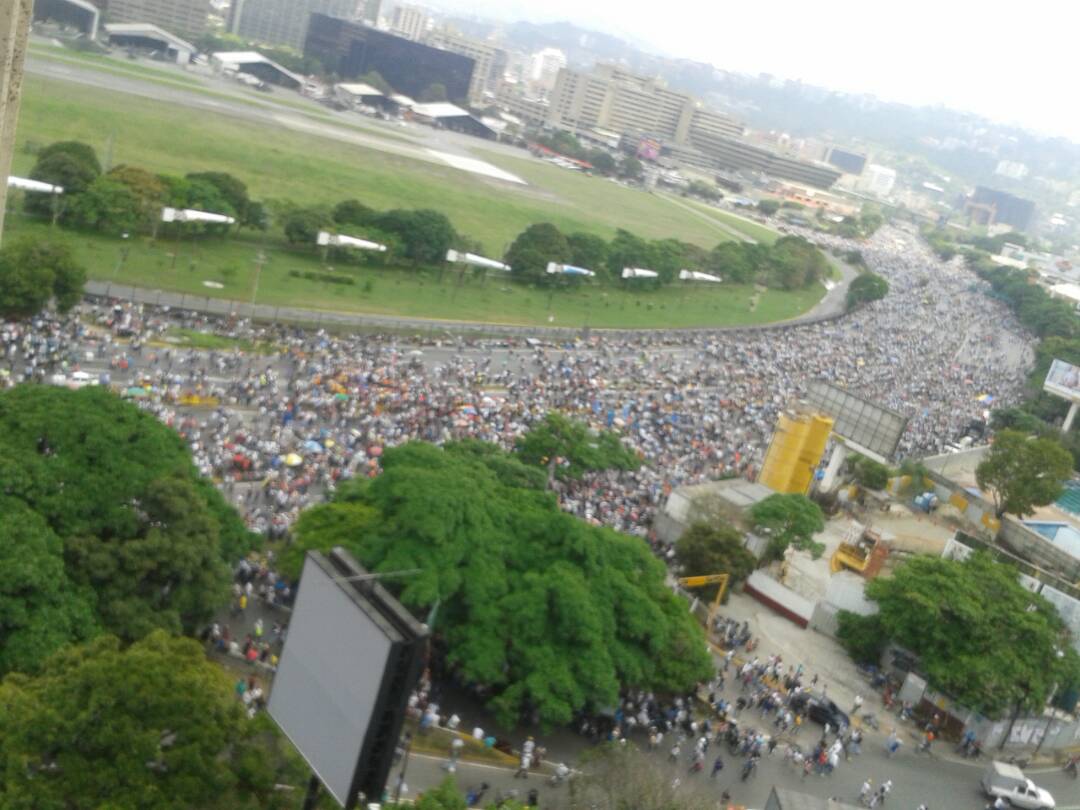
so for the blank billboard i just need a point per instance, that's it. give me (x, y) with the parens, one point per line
(346, 671)
(1063, 380)
(871, 427)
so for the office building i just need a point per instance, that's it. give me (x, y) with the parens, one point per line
(614, 99)
(351, 50)
(533, 111)
(877, 180)
(410, 22)
(544, 66)
(369, 11)
(988, 206)
(186, 18)
(490, 60)
(281, 22)
(845, 160)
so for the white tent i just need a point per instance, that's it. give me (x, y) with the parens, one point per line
(555, 268)
(694, 275)
(191, 215)
(476, 261)
(637, 272)
(341, 240)
(34, 185)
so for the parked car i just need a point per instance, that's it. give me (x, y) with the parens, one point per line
(819, 709)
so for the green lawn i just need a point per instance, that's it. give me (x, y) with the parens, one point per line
(752, 229)
(277, 163)
(399, 291)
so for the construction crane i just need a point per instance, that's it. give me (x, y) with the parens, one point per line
(702, 581)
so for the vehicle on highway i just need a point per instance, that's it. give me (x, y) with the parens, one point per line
(1005, 781)
(819, 709)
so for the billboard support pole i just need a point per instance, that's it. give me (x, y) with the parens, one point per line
(1070, 417)
(312, 796)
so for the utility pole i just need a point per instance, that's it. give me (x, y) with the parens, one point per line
(15, 18)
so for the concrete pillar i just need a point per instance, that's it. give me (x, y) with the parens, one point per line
(15, 16)
(836, 461)
(1070, 417)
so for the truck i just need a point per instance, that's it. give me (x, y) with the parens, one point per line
(1008, 782)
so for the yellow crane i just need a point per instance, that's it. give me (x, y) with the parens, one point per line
(702, 581)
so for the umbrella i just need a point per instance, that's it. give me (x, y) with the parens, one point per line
(341, 397)
(374, 451)
(136, 392)
(293, 460)
(312, 446)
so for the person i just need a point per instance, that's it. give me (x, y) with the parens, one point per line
(717, 766)
(865, 791)
(523, 768)
(475, 796)
(856, 705)
(892, 744)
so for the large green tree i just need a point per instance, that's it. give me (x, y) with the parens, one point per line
(717, 548)
(568, 448)
(980, 635)
(1022, 472)
(108, 206)
(425, 234)
(789, 520)
(139, 526)
(41, 610)
(33, 271)
(153, 725)
(533, 248)
(548, 613)
(866, 287)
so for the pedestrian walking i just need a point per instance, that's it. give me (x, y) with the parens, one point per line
(717, 766)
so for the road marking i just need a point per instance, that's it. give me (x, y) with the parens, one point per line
(473, 764)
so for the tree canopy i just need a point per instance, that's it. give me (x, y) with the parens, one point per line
(550, 614)
(866, 287)
(1021, 472)
(533, 248)
(32, 271)
(569, 448)
(980, 635)
(136, 524)
(789, 520)
(152, 725)
(717, 548)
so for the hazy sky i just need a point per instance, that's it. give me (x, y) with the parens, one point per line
(1015, 62)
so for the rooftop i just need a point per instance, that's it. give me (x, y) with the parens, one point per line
(440, 109)
(360, 89)
(149, 31)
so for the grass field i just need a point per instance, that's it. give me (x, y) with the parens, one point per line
(278, 163)
(403, 292)
(752, 229)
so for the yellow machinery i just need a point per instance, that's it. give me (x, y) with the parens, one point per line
(709, 579)
(795, 451)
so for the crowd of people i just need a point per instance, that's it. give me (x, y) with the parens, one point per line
(280, 424)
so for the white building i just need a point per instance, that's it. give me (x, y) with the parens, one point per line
(1012, 169)
(877, 180)
(544, 66)
(410, 22)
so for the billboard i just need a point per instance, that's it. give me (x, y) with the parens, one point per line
(1063, 380)
(351, 657)
(870, 428)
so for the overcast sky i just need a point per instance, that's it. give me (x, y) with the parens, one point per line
(1015, 62)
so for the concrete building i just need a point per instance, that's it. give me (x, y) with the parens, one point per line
(989, 206)
(369, 11)
(351, 50)
(410, 22)
(877, 180)
(544, 66)
(533, 111)
(846, 160)
(490, 60)
(81, 15)
(186, 18)
(250, 63)
(281, 22)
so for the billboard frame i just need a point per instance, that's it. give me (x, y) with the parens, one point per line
(400, 672)
(1061, 390)
(867, 427)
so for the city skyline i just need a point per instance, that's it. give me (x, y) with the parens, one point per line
(955, 55)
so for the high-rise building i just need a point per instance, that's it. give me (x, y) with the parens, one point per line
(877, 180)
(490, 60)
(350, 50)
(989, 206)
(184, 17)
(845, 160)
(410, 22)
(544, 66)
(615, 100)
(281, 22)
(369, 11)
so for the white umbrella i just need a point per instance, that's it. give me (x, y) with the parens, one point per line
(637, 272)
